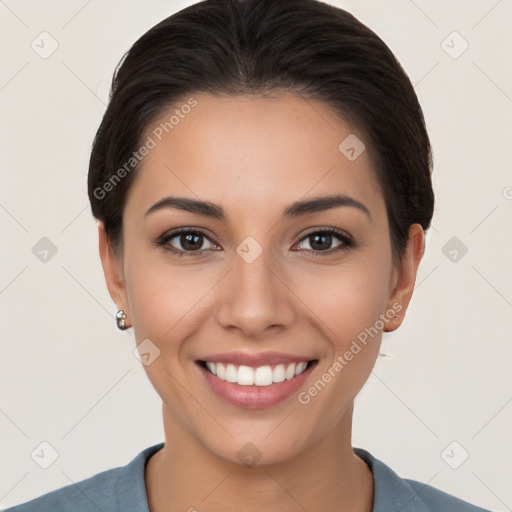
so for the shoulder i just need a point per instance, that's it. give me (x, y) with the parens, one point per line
(436, 499)
(97, 490)
(392, 491)
(108, 491)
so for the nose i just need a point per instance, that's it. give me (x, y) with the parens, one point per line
(255, 298)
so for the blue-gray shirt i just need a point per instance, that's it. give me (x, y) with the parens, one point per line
(122, 489)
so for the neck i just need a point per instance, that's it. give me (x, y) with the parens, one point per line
(185, 476)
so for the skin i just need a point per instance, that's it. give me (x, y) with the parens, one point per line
(254, 156)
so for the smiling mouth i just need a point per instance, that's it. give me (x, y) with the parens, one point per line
(259, 376)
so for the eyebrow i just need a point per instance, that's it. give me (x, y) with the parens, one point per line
(294, 210)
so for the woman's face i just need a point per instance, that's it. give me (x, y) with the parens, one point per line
(256, 282)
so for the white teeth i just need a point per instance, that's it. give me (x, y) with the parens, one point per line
(290, 371)
(221, 370)
(245, 376)
(260, 376)
(263, 376)
(212, 368)
(300, 368)
(231, 373)
(279, 373)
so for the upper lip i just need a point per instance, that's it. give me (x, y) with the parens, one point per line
(255, 360)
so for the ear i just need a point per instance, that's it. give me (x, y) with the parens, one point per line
(404, 277)
(113, 269)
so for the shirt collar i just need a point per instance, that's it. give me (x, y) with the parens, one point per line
(131, 487)
(390, 491)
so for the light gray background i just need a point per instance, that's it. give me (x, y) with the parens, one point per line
(69, 376)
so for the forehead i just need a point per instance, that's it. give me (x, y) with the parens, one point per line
(252, 152)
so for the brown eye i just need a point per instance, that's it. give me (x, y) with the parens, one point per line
(189, 242)
(322, 241)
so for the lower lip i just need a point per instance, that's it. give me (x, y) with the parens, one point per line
(256, 397)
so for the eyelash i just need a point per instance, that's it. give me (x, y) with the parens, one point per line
(347, 242)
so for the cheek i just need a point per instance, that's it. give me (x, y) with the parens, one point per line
(347, 298)
(349, 320)
(162, 299)
(163, 295)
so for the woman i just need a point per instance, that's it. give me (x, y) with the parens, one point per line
(262, 182)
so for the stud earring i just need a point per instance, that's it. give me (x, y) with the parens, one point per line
(120, 319)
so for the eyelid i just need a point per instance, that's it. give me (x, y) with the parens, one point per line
(169, 235)
(331, 230)
(346, 239)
